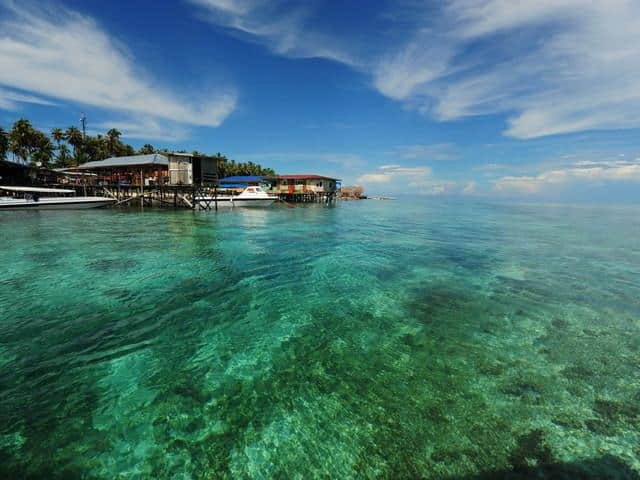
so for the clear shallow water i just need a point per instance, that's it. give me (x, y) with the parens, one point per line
(409, 339)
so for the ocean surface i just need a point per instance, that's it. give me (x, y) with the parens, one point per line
(418, 338)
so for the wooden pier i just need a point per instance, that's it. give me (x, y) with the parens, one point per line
(309, 197)
(182, 196)
(163, 196)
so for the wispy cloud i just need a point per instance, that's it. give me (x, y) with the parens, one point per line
(551, 66)
(555, 66)
(403, 179)
(285, 28)
(437, 151)
(469, 188)
(11, 99)
(387, 173)
(57, 54)
(584, 172)
(145, 128)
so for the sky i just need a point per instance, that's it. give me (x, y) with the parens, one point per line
(499, 98)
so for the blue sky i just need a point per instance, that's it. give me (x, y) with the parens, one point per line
(497, 98)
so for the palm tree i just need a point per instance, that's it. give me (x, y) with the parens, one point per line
(102, 148)
(4, 144)
(58, 135)
(74, 137)
(146, 149)
(42, 149)
(113, 142)
(64, 156)
(22, 139)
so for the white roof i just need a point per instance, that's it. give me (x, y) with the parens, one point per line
(130, 161)
(36, 189)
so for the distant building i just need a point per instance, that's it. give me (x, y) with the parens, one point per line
(304, 184)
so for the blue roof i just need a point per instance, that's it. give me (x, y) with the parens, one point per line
(241, 179)
(235, 185)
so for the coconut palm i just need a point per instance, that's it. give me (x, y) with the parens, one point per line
(4, 143)
(58, 135)
(74, 137)
(42, 149)
(22, 139)
(146, 149)
(64, 156)
(114, 146)
(102, 149)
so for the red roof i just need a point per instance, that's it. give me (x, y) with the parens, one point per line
(314, 177)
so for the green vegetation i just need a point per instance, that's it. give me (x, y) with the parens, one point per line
(30, 144)
(229, 168)
(4, 143)
(68, 148)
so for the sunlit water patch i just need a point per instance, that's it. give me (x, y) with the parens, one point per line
(405, 339)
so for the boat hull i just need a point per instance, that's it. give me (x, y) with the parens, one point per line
(76, 203)
(227, 202)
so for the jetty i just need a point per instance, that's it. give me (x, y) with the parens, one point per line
(180, 180)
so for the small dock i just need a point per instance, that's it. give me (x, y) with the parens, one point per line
(161, 196)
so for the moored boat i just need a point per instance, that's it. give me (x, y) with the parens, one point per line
(250, 197)
(44, 199)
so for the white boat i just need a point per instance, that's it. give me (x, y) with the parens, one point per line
(250, 197)
(36, 198)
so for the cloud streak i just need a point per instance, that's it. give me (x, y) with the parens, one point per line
(62, 55)
(550, 66)
(284, 28)
(584, 172)
(554, 66)
(403, 179)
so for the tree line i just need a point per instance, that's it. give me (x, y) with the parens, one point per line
(70, 147)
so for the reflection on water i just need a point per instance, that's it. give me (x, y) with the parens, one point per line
(368, 340)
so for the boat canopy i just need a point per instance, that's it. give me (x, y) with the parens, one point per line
(36, 190)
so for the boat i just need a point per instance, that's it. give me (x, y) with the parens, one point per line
(47, 199)
(250, 197)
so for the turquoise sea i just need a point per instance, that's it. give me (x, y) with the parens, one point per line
(418, 338)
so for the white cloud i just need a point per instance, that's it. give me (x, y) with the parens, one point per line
(597, 173)
(391, 172)
(436, 151)
(552, 66)
(424, 59)
(374, 178)
(143, 127)
(284, 28)
(469, 188)
(565, 65)
(10, 99)
(55, 53)
(398, 178)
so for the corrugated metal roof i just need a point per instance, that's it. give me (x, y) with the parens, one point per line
(300, 177)
(130, 161)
